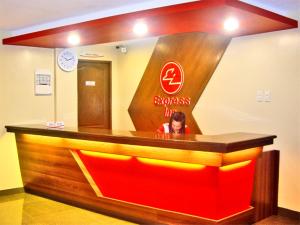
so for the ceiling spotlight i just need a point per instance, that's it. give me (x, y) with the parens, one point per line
(140, 28)
(74, 39)
(231, 24)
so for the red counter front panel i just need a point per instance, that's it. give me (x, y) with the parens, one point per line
(205, 191)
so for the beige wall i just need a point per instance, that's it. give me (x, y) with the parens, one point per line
(66, 87)
(9, 167)
(18, 103)
(259, 62)
(127, 70)
(131, 67)
(2, 99)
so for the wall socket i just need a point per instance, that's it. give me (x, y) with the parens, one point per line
(263, 96)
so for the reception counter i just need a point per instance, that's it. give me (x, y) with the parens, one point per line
(143, 176)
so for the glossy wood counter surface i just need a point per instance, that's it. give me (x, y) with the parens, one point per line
(223, 143)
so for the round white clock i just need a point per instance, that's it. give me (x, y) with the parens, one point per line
(67, 60)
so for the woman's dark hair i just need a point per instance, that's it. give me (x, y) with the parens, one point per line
(179, 117)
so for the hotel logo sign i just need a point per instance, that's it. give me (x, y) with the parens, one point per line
(171, 78)
(171, 82)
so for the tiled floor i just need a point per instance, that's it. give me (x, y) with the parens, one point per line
(27, 209)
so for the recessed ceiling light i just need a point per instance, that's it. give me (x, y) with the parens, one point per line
(140, 28)
(231, 24)
(74, 39)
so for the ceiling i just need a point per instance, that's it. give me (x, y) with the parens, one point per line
(16, 14)
(21, 17)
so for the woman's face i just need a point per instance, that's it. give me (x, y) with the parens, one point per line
(176, 126)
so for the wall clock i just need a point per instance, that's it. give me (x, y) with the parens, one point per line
(67, 60)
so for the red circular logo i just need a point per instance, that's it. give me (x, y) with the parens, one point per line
(171, 77)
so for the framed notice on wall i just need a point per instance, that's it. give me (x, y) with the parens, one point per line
(42, 82)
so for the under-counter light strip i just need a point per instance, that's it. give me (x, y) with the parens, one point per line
(176, 165)
(105, 155)
(164, 163)
(155, 162)
(235, 166)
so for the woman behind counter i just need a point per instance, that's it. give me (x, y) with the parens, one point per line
(176, 125)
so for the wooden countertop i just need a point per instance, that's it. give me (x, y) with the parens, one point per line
(222, 143)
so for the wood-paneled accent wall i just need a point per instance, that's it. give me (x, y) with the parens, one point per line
(199, 55)
(265, 193)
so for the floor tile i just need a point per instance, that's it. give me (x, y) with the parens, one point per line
(27, 209)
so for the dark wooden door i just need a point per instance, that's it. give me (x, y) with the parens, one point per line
(94, 94)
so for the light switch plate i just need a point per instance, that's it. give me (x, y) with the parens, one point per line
(267, 96)
(259, 95)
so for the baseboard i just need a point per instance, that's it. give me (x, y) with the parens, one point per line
(11, 191)
(288, 213)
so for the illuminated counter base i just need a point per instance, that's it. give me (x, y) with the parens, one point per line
(205, 191)
(143, 183)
